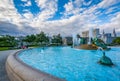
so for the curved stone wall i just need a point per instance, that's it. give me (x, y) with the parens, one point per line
(19, 71)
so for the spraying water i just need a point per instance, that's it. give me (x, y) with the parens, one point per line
(90, 35)
(74, 39)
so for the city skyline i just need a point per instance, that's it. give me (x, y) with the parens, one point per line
(23, 17)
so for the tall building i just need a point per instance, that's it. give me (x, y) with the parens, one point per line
(85, 34)
(114, 33)
(95, 33)
(108, 37)
(103, 35)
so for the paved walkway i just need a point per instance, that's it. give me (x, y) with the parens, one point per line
(3, 57)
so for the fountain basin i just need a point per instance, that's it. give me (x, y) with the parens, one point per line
(73, 64)
(63, 62)
(19, 71)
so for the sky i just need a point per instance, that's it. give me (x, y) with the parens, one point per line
(25, 17)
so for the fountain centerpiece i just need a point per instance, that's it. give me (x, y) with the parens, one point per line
(92, 42)
(88, 45)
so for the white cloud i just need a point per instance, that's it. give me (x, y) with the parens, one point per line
(78, 3)
(8, 11)
(69, 7)
(28, 15)
(9, 14)
(87, 3)
(66, 26)
(111, 10)
(114, 23)
(73, 8)
(48, 9)
(28, 3)
(24, 0)
(106, 3)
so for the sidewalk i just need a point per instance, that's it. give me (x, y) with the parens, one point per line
(3, 57)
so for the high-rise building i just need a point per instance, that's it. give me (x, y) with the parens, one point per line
(114, 33)
(85, 33)
(95, 33)
(108, 37)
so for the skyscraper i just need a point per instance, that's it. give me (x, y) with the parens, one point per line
(114, 33)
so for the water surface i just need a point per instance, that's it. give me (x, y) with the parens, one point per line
(73, 64)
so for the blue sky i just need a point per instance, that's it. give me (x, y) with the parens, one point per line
(23, 17)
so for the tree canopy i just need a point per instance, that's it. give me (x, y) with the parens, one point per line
(116, 41)
(57, 39)
(7, 40)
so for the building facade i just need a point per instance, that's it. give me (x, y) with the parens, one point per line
(95, 33)
(106, 37)
(109, 37)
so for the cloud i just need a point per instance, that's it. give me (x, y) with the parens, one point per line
(73, 8)
(69, 7)
(24, 0)
(88, 3)
(28, 15)
(106, 3)
(12, 29)
(75, 18)
(8, 12)
(48, 9)
(8, 28)
(28, 3)
(114, 23)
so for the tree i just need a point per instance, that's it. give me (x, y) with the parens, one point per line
(116, 41)
(30, 38)
(42, 38)
(57, 39)
(7, 41)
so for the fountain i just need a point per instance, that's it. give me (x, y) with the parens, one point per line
(89, 45)
(42, 50)
(104, 59)
(90, 35)
(74, 40)
(92, 44)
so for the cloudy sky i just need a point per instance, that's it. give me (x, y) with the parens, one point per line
(23, 17)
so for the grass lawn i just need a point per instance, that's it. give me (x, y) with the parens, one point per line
(4, 48)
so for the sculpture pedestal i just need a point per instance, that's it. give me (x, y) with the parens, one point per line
(87, 47)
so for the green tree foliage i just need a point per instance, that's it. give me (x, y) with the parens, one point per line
(30, 38)
(37, 39)
(7, 41)
(42, 38)
(57, 39)
(116, 41)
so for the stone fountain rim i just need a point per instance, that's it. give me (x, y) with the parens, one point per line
(25, 72)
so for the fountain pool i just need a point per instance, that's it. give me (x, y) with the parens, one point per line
(73, 64)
